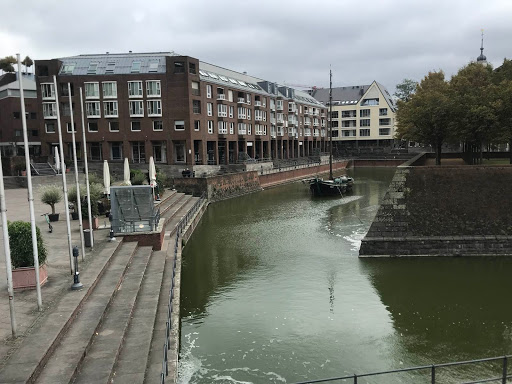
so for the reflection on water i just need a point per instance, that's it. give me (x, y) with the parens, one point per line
(273, 292)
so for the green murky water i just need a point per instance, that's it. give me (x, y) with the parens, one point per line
(273, 292)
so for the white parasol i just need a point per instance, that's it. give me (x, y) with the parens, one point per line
(126, 172)
(56, 158)
(152, 172)
(106, 177)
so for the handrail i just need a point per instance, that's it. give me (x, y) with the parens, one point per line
(432, 369)
(179, 229)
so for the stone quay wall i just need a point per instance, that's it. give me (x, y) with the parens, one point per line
(443, 211)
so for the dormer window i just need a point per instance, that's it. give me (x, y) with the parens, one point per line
(110, 67)
(153, 66)
(67, 69)
(136, 66)
(92, 68)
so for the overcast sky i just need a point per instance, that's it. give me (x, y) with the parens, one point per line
(291, 42)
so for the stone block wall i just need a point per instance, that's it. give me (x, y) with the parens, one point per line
(444, 211)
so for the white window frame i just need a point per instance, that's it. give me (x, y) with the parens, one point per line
(114, 110)
(46, 128)
(154, 108)
(158, 88)
(197, 127)
(89, 112)
(68, 127)
(222, 110)
(136, 130)
(140, 90)
(208, 91)
(110, 126)
(45, 87)
(158, 130)
(134, 109)
(231, 111)
(120, 143)
(210, 127)
(222, 128)
(231, 128)
(176, 125)
(109, 85)
(209, 109)
(52, 110)
(93, 86)
(230, 95)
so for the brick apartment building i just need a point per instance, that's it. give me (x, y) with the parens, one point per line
(181, 111)
(11, 130)
(362, 115)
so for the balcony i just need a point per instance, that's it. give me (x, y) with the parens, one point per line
(307, 132)
(221, 96)
(316, 133)
(322, 115)
(280, 107)
(280, 132)
(323, 124)
(323, 133)
(315, 113)
(307, 122)
(272, 107)
(257, 103)
(306, 112)
(241, 100)
(316, 124)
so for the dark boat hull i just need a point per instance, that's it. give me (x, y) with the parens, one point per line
(327, 188)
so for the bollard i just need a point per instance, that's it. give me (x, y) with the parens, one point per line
(77, 285)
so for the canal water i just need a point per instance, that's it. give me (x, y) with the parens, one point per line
(272, 291)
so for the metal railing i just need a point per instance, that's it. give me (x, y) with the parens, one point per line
(179, 229)
(432, 368)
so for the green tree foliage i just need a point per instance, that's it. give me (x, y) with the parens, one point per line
(426, 116)
(51, 195)
(20, 241)
(405, 89)
(475, 108)
(27, 62)
(6, 64)
(502, 78)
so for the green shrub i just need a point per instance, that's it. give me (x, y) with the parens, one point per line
(95, 179)
(137, 177)
(20, 241)
(51, 195)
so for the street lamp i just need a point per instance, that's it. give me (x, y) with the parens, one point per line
(77, 285)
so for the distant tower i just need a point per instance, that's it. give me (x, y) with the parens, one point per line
(482, 59)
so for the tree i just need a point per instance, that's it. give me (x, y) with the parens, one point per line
(6, 64)
(426, 116)
(27, 62)
(475, 108)
(405, 89)
(502, 78)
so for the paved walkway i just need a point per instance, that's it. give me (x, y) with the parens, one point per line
(59, 274)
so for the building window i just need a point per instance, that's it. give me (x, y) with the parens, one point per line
(335, 133)
(179, 150)
(135, 88)
(222, 127)
(93, 109)
(334, 114)
(210, 126)
(136, 66)
(16, 115)
(92, 90)
(136, 126)
(64, 109)
(92, 126)
(384, 131)
(95, 152)
(110, 109)
(383, 112)
(222, 110)
(109, 89)
(35, 132)
(179, 67)
(230, 95)
(136, 108)
(197, 125)
(335, 124)
(349, 123)
(249, 129)
(116, 150)
(64, 89)
(138, 152)
(159, 151)
(351, 113)
(17, 133)
(231, 111)
(33, 115)
(209, 109)
(386, 121)
(220, 94)
(111, 65)
(196, 106)
(155, 108)
(69, 128)
(92, 68)
(242, 128)
(195, 88)
(208, 91)
(153, 88)
(158, 125)
(364, 132)
(231, 128)
(349, 133)
(47, 91)
(364, 113)
(370, 102)
(153, 66)
(49, 127)
(179, 125)
(192, 68)
(113, 126)
(364, 122)
(67, 69)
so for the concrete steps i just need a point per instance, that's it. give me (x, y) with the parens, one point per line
(107, 341)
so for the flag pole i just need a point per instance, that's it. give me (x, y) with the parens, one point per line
(86, 171)
(7, 250)
(80, 225)
(63, 171)
(35, 252)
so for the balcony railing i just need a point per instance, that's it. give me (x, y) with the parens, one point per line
(221, 96)
(257, 103)
(241, 100)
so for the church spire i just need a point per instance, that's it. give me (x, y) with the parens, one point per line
(482, 59)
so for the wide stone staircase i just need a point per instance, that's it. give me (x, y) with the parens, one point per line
(109, 331)
(42, 169)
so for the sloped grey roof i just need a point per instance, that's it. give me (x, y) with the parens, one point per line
(29, 83)
(387, 96)
(351, 94)
(123, 62)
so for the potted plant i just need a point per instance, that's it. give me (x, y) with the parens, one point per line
(95, 190)
(20, 241)
(51, 195)
(72, 198)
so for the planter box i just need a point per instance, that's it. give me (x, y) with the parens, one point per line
(53, 217)
(95, 223)
(74, 215)
(25, 278)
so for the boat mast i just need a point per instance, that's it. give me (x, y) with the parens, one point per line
(330, 125)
